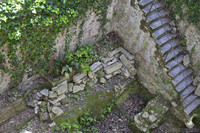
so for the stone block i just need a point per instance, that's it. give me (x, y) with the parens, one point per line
(61, 97)
(186, 60)
(197, 91)
(111, 54)
(127, 54)
(112, 68)
(78, 88)
(61, 88)
(78, 77)
(57, 110)
(128, 64)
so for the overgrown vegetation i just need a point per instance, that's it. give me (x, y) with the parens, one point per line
(28, 29)
(81, 59)
(186, 9)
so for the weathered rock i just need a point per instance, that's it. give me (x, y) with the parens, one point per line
(36, 109)
(57, 110)
(61, 97)
(112, 74)
(152, 118)
(114, 67)
(65, 101)
(84, 81)
(197, 91)
(52, 95)
(91, 75)
(151, 115)
(102, 80)
(128, 64)
(31, 102)
(78, 77)
(61, 88)
(44, 116)
(111, 54)
(78, 88)
(90, 85)
(52, 124)
(39, 94)
(196, 81)
(125, 73)
(186, 60)
(100, 74)
(48, 107)
(57, 104)
(111, 62)
(45, 92)
(96, 67)
(127, 54)
(108, 76)
(145, 115)
(105, 60)
(70, 87)
(36, 97)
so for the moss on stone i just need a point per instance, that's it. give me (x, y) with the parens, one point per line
(94, 102)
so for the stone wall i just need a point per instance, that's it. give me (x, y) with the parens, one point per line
(126, 18)
(192, 36)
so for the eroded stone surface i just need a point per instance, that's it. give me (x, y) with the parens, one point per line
(151, 115)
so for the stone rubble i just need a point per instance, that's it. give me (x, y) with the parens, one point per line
(48, 103)
(151, 115)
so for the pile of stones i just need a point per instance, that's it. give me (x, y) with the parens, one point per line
(50, 103)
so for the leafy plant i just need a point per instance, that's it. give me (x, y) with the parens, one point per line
(28, 29)
(81, 59)
(186, 9)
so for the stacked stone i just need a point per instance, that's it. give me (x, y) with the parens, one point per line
(151, 115)
(49, 103)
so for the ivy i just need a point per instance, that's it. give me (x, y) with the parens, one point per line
(28, 29)
(191, 10)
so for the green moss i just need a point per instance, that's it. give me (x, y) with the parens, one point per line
(94, 102)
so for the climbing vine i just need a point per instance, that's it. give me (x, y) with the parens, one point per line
(186, 9)
(28, 29)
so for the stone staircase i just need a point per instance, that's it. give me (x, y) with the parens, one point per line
(172, 52)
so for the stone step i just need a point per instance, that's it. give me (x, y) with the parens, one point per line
(192, 106)
(159, 32)
(167, 37)
(155, 15)
(187, 91)
(188, 100)
(184, 84)
(174, 62)
(158, 23)
(153, 7)
(168, 46)
(145, 2)
(172, 54)
(181, 76)
(175, 71)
